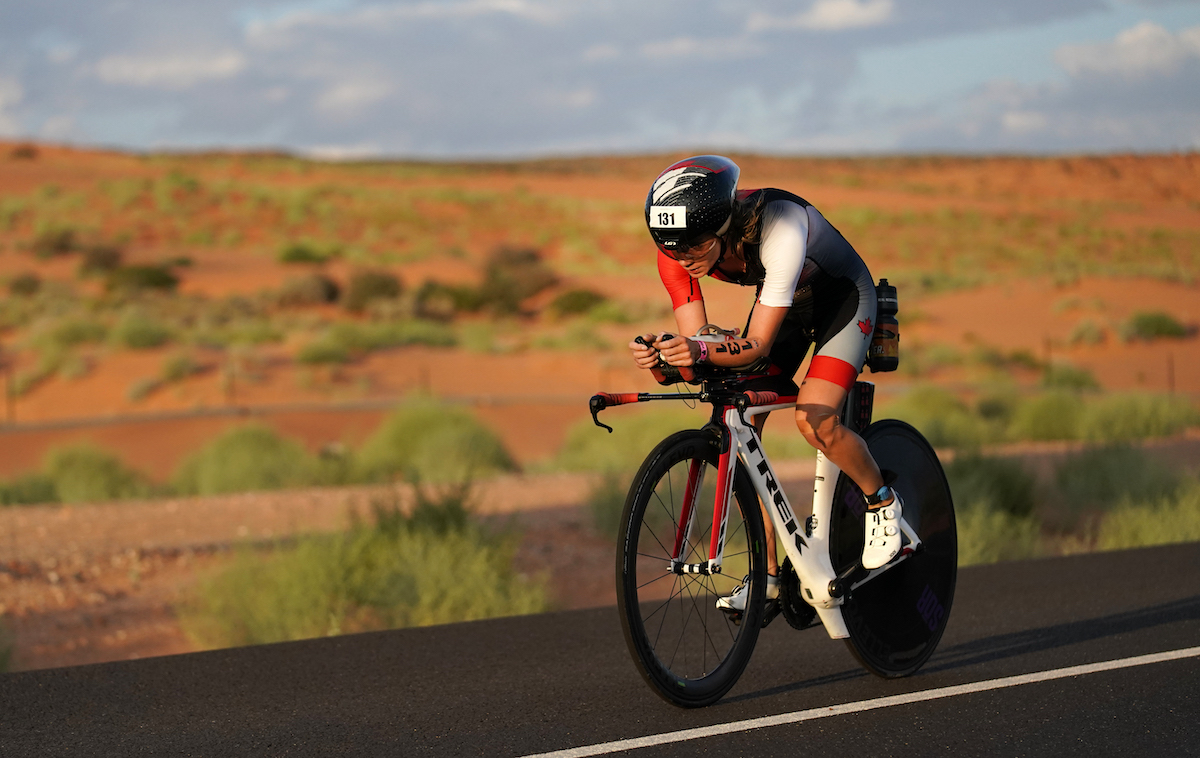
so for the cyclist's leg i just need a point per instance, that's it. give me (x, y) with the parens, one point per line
(844, 316)
(817, 409)
(843, 323)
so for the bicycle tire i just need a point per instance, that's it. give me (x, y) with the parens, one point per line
(688, 651)
(897, 619)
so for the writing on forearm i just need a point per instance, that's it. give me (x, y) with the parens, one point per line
(737, 347)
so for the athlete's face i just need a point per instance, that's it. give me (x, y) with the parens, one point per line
(699, 259)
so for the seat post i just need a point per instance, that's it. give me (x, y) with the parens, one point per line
(859, 405)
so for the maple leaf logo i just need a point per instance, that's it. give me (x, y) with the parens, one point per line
(865, 327)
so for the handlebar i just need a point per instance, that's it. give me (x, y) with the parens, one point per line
(718, 394)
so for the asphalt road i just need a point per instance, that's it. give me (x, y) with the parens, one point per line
(517, 686)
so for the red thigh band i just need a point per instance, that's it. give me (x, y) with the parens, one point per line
(832, 370)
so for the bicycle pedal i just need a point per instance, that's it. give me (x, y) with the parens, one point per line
(733, 615)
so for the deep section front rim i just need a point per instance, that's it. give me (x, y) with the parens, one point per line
(688, 651)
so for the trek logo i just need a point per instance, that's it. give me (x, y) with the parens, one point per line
(675, 181)
(930, 608)
(777, 498)
(865, 327)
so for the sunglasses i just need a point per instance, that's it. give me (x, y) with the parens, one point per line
(693, 252)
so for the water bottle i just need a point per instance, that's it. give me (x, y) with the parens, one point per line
(884, 352)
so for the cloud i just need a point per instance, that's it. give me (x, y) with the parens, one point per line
(171, 71)
(387, 16)
(1143, 50)
(348, 97)
(11, 94)
(828, 15)
(708, 49)
(1134, 92)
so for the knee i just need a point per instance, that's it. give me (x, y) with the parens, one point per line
(818, 426)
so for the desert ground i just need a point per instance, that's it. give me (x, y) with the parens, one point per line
(1027, 262)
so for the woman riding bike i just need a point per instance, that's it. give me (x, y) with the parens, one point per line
(812, 288)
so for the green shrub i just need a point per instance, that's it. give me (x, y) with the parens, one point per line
(70, 332)
(85, 474)
(576, 302)
(142, 277)
(1087, 332)
(606, 500)
(997, 484)
(24, 152)
(306, 252)
(180, 366)
(1067, 377)
(942, 418)
(309, 289)
(1135, 416)
(989, 536)
(614, 312)
(431, 442)
(28, 489)
(1166, 520)
(248, 458)
(369, 285)
(349, 339)
(434, 567)
(100, 260)
(26, 284)
(323, 351)
(138, 331)
(1048, 416)
(511, 276)
(140, 389)
(1152, 325)
(54, 241)
(635, 433)
(438, 301)
(1099, 478)
(997, 405)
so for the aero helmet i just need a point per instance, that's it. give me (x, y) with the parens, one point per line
(692, 198)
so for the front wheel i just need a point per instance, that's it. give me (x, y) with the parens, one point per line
(896, 619)
(687, 650)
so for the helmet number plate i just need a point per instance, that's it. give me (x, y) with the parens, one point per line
(668, 217)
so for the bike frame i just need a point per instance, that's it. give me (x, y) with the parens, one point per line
(806, 543)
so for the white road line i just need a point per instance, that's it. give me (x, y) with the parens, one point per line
(617, 746)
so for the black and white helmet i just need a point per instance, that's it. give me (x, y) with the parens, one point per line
(692, 198)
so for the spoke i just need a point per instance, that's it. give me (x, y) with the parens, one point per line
(649, 530)
(663, 621)
(682, 630)
(659, 578)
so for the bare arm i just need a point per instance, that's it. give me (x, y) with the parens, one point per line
(755, 344)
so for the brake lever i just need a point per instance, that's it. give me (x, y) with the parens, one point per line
(597, 404)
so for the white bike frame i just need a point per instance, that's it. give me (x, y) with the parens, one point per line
(805, 541)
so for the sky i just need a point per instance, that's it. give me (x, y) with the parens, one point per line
(529, 78)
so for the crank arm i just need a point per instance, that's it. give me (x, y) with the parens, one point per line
(856, 576)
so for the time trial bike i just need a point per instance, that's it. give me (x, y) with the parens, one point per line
(691, 531)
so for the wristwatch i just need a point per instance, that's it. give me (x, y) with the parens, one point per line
(881, 494)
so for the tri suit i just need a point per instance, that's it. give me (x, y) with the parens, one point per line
(801, 263)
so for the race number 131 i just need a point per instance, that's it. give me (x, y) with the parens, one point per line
(668, 216)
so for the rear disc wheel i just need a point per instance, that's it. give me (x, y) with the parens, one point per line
(896, 619)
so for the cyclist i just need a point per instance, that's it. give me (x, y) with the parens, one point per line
(812, 288)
